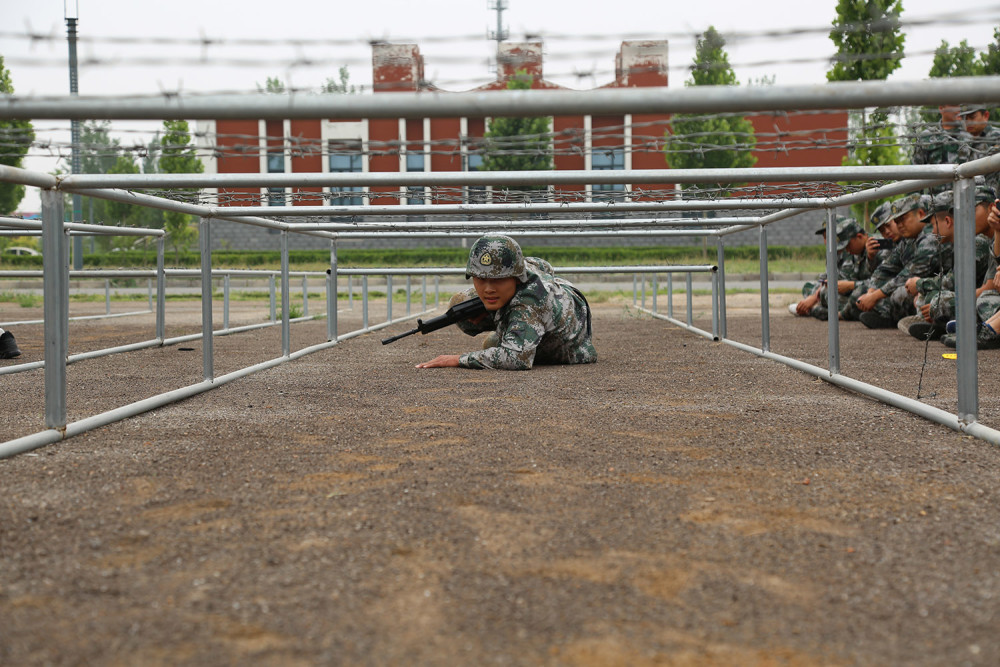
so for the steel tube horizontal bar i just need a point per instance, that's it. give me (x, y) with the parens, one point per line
(456, 271)
(619, 233)
(916, 407)
(81, 182)
(521, 208)
(660, 100)
(609, 223)
(83, 227)
(81, 318)
(27, 177)
(683, 325)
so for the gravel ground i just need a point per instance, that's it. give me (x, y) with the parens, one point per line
(681, 502)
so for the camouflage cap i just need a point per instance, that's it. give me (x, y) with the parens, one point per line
(910, 202)
(943, 201)
(847, 229)
(969, 109)
(496, 256)
(984, 193)
(882, 214)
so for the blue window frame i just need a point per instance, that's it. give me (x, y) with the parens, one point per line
(415, 162)
(606, 159)
(345, 158)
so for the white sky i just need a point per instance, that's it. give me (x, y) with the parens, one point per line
(458, 62)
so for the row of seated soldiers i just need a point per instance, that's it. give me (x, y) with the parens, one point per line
(904, 276)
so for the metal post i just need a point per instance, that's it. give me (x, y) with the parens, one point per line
(107, 295)
(305, 296)
(965, 300)
(656, 288)
(225, 302)
(388, 298)
(644, 290)
(721, 261)
(331, 295)
(690, 304)
(55, 285)
(715, 305)
(286, 333)
(274, 300)
(833, 308)
(670, 295)
(75, 163)
(409, 288)
(364, 302)
(205, 241)
(765, 313)
(161, 292)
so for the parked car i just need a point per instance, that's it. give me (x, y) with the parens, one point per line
(20, 250)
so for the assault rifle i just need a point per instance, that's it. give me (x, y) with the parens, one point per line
(467, 310)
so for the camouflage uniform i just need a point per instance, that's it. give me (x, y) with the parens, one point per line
(547, 321)
(975, 147)
(849, 310)
(939, 290)
(849, 267)
(937, 145)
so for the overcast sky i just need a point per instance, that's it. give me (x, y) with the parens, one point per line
(580, 40)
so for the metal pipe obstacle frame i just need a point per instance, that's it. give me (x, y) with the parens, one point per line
(849, 95)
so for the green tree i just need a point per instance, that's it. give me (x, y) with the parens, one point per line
(273, 85)
(343, 85)
(955, 61)
(869, 44)
(989, 60)
(518, 144)
(718, 141)
(178, 157)
(15, 140)
(868, 38)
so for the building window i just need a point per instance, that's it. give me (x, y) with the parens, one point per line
(275, 165)
(415, 194)
(605, 159)
(474, 194)
(345, 158)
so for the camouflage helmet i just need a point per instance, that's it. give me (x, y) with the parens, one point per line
(496, 256)
(882, 214)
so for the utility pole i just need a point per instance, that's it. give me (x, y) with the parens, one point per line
(71, 11)
(501, 33)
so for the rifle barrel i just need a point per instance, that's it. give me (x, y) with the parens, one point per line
(393, 339)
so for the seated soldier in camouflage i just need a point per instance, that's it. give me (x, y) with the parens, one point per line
(535, 317)
(877, 248)
(852, 268)
(935, 296)
(914, 254)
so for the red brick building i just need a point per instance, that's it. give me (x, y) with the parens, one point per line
(582, 142)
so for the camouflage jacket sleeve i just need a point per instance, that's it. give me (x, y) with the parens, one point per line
(927, 259)
(885, 276)
(521, 329)
(485, 324)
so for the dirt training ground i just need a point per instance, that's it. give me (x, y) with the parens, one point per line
(679, 503)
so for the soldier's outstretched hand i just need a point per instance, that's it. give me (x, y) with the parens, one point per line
(442, 361)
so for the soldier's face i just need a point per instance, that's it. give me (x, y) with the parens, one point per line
(909, 224)
(975, 123)
(982, 218)
(890, 231)
(944, 225)
(949, 115)
(495, 292)
(856, 246)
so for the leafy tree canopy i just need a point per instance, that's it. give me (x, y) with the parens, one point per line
(16, 137)
(868, 38)
(715, 141)
(955, 60)
(518, 144)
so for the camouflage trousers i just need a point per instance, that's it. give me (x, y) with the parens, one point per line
(943, 305)
(849, 303)
(821, 309)
(896, 306)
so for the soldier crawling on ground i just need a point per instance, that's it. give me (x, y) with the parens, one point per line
(534, 316)
(852, 269)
